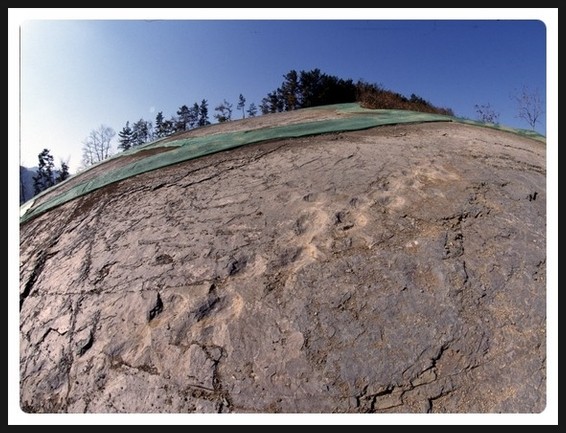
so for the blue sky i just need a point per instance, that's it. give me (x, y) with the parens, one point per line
(71, 70)
(77, 73)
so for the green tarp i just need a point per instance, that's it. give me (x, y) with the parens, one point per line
(175, 151)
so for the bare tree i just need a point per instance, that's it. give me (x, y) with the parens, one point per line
(530, 106)
(487, 114)
(97, 146)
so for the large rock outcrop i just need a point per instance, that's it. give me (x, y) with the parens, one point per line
(394, 269)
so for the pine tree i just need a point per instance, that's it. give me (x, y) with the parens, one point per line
(160, 126)
(310, 87)
(169, 127)
(203, 113)
(224, 112)
(252, 110)
(142, 132)
(193, 116)
(289, 91)
(44, 176)
(63, 172)
(242, 105)
(183, 114)
(275, 104)
(126, 137)
(264, 106)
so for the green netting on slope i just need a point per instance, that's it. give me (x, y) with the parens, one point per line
(356, 109)
(194, 147)
(524, 132)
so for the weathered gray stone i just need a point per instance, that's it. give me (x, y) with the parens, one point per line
(396, 269)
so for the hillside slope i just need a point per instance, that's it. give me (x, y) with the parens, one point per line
(396, 268)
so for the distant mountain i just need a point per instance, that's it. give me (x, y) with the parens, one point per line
(26, 183)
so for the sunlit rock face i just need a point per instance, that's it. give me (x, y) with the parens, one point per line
(394, 269)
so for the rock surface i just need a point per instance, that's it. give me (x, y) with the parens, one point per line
(395, 269)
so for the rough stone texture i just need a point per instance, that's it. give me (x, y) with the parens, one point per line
(396, 269)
